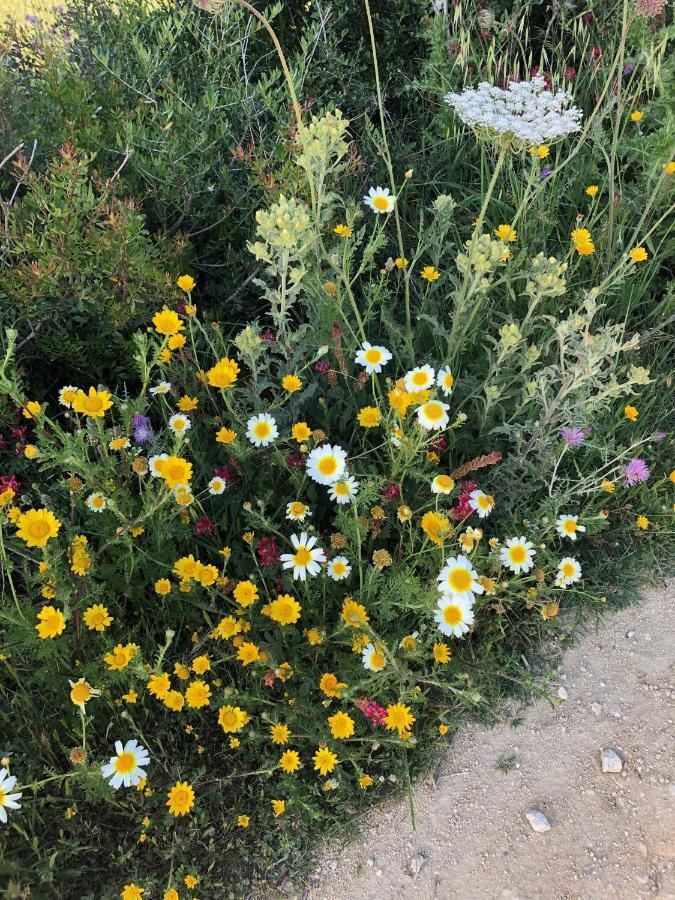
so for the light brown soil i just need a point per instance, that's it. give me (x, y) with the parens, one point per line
(612, 835)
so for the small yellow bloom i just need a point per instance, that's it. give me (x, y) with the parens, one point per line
(639, 254)
(186, 283)
(401, 262)
(430, 273)
(631, 413)
(442, 730)
(226, 436)
(31, 409)
(642, 523)
(541, 152)
(291, 383)
(343, 231)
(365, 781)
(163, 587)
(592, 190)
(607, 486)
(636, 116)
(30, 451)
(669, 168)
(279, 807)
(190, 881)
(301, 432)
(505, 233)
(369, 417)
(167, 322)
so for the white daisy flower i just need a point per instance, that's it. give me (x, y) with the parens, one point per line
(66, 395)
(433, 415)
(179, 423)
(183, 494)
(482, 503)
(305, 559)
(325, 464)
(96, 502)
(380, 200)
(568, 526)
(454, 616)
(217, 486)
(373, 658)
(344, 490)
(126, 768)
(297, 511)
(338, 568)
(419, 379)
(517, 554)
(442, 484)
(152, 464)
(372, 358)
(162, 388)
(569, 570)
(458, 579)
(445, 381)
(7, 799)
(261, 430)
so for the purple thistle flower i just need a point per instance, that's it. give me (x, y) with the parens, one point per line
(142, 429)
(659, 436)
(635, 472)
(573, 436)
(627, 69)
(545, 172)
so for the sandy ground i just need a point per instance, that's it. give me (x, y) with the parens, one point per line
(612, 835)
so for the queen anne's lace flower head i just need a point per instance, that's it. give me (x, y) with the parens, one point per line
(526, 111)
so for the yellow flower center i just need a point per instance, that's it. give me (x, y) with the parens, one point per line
(452, 614)
(38, 529)
(339, 568)
(302, 556)
(181, 798)
(377, 659)
(297, 509)
(568, 569)
(517, 554)
(125, 763)
(485, 501)
(419, 379)
(262, 430)
(80, 693)
(460, 579)
(381, 202)
(372, 356)
(342, 489)
(569, 526)
(433, 411)
(93, 404)
(328, 465)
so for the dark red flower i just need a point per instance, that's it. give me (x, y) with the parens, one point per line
(203, 526)
(295, 460)
(268, 335)
(225, 473)
(391, 491)
(268, 553)
(321, 367)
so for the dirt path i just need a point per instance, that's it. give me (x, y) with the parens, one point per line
(612, 835)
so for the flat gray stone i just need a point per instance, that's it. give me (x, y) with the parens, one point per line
(538, 821)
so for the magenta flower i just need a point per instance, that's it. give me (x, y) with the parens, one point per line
(635, 472)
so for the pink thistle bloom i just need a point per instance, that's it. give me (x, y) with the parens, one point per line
(635, 472)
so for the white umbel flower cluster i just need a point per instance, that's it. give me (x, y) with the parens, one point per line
(526, 110)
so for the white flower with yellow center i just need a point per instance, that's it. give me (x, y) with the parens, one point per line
(482, 503)
(96, 502)
(261, 430)
(372, 358)
(183, 494)
(442, 484)
(7, 799)
(326, 464)
(162, 388)
(517, 554)
(179, 423)
(152, 464)
(344, 490)
(126, 768)
(380, 200)
(445, 381)
(454, 616)
(338, 568)
(297, 511)
(217, 486)
(305, 559)
(458, 579)
(569, 570)
(373, 658)
(396, 436)
(568, 526)
(433, 415)
(420, 379)
(67, 394)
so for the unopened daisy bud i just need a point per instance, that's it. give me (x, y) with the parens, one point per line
(408, 173)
